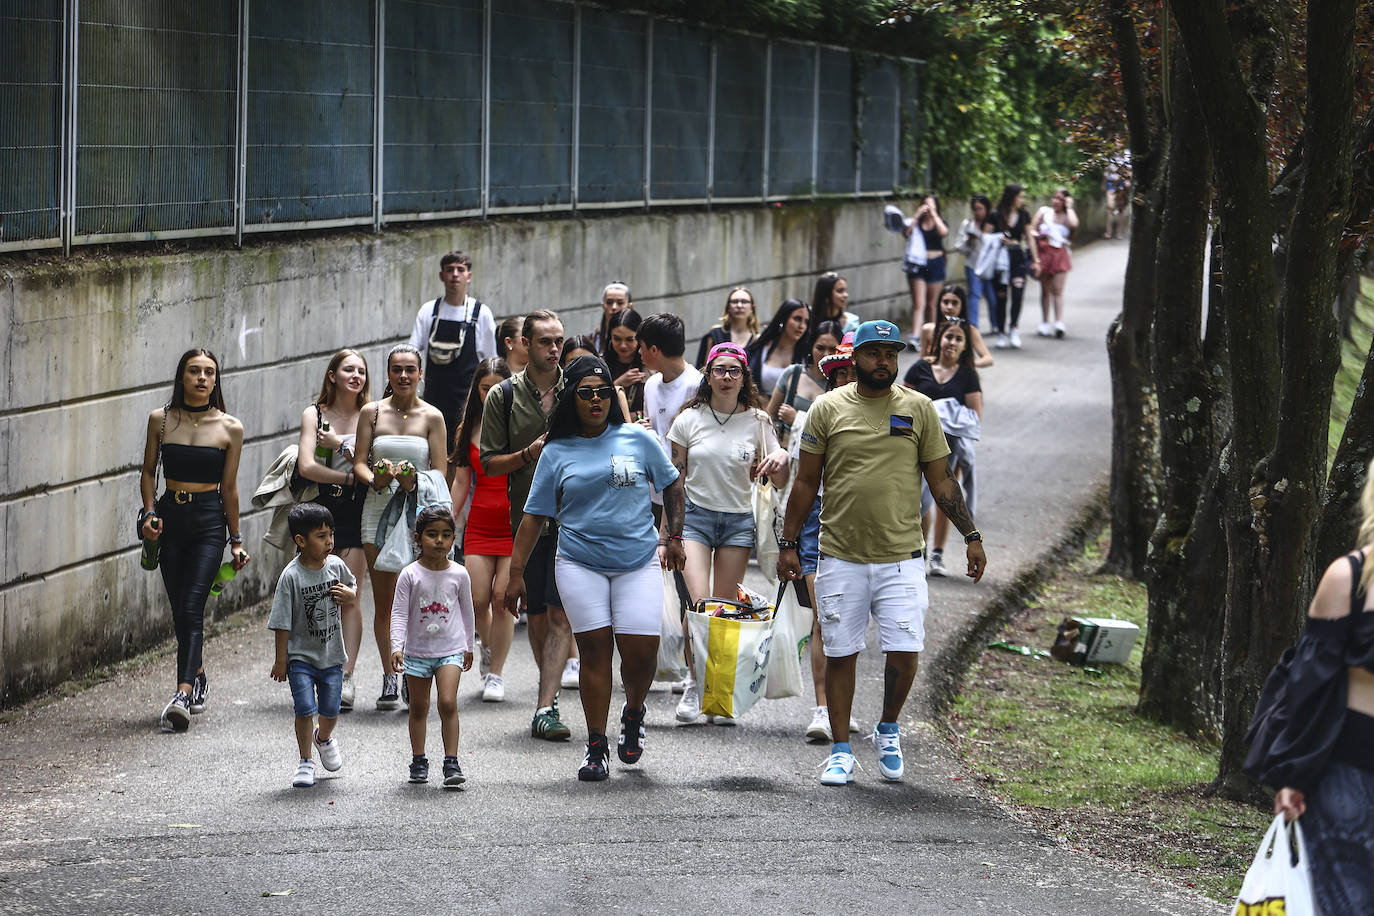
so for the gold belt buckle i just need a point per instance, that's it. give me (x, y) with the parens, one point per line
(178, 494)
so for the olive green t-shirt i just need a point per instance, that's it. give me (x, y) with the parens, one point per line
(873, 449)
(527, 423)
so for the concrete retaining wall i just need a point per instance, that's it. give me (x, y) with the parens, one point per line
(93, 342)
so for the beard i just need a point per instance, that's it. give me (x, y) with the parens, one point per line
(868, 380)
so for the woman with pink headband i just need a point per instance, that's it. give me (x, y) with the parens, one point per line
(721, 444)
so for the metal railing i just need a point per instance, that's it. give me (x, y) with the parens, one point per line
(128, 120)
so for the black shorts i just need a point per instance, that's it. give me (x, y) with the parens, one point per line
(541, 589)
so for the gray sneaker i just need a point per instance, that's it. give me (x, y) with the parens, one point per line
(347, 693)
(935, 566)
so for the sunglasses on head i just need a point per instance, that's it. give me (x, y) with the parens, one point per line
(603, 392)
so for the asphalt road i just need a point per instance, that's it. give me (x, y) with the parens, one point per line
(99, 812)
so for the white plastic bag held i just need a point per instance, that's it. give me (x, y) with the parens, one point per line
(1274, 884)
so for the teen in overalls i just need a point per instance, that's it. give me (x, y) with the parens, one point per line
(454, 333)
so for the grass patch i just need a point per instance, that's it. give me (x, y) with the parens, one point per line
(1062, 747)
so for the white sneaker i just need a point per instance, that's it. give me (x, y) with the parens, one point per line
(682, 685)
(348, 692)
(1060, 330)
(1043, 329)
(493, 689)
(854, 725)
(935, 566)
(484, 663)
(570, 674)
(727, 721)
(330, 755)
(839, 769)
(889, 754)
(819, 729)
(305, 775)
(1001, 342)
(689, 708)
(1014, 338)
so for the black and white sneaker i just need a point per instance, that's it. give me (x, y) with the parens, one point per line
(419, 769)
(390, 688)
(176, 716)
(200, 689)
(594, 767)
(453, 774)
(631, 745)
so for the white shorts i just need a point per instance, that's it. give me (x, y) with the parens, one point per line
(893, 594)
(630, 602)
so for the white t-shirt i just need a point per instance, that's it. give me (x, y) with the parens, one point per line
(721, 455)
(486, 325)
(662, 401)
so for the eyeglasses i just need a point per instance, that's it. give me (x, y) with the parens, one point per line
(741, 301)
(603, 392)
(726, 371)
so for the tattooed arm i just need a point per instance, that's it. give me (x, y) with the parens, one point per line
(674, 500)
(949, 496)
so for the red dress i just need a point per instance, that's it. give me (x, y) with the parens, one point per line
(488, 531)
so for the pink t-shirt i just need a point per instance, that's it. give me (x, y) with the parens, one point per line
(431, 616)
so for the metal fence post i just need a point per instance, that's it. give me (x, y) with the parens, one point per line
(577, 103)
(815, 120)
(486, 106)
(70, 74)
(897, 134)
(241, 129)
(378, 110)
(648, 110)
(767, 113)
(711, 128)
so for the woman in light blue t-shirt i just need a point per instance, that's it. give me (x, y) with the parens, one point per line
(596, 475)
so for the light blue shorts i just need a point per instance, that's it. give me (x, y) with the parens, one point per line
(415, 666)
(717, 529)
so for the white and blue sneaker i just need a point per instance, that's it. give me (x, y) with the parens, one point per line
(839, 768)
(888, 740)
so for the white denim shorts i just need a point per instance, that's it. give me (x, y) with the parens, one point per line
(893, 594)
(630, 602)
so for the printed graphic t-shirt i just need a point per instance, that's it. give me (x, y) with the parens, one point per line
(431, 615)
(721, 455)
(874, 449)
(304, 606)
(599, 490)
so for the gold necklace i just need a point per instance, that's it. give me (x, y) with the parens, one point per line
(194, 413)
(404, 414)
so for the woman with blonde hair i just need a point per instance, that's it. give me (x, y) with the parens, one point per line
(1313, 732)
(739, 324)
(329, 427)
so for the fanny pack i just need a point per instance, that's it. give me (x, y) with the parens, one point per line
(443, 353)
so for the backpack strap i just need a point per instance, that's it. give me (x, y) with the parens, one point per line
(434, 318)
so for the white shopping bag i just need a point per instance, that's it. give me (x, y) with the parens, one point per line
(672, 666)
(768, 511)
(1274, 884)
(791, 635)
(729, 661)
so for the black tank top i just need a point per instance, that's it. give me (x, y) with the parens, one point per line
(193, 463)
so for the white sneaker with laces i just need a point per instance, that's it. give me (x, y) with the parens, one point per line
(348, 692)
(1060, 330)
(682, 685)
(819, 729)
(1001, 342)
(493, 689)
(935, 566)
(854, 725)
(889, 746)
(839, 769)
(330, 755)
(570, 678)
(1014, 338)
(1043, 329)
(305, 775)
(689, 708)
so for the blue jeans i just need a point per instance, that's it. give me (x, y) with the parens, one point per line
(810, 539)
(314, 690)
(979, 288)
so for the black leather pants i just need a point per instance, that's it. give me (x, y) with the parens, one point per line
(193, 538)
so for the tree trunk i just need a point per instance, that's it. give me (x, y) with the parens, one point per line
(1132, 491)
(1180, 673)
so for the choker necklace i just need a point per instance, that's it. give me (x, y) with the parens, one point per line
(195, 410)
(733, 410)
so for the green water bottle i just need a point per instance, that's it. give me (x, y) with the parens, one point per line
(151, 547)
(322, 453)
(223, 577)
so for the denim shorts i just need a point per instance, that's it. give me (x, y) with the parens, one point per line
(810, 539)
(933, 271)
(314, 690)
(718, 529)
(416, 666)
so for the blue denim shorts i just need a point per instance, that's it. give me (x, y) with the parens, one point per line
(417, 666)
(933, 271)
(314, 690)
(718, 529)
(810, 539)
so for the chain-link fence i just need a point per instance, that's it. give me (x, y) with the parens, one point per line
(132, 120)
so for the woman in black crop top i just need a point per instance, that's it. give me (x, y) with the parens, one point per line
(198, 445)
(1022, 260)
(1315, 736)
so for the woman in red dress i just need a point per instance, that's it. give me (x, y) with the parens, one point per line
(487, 534)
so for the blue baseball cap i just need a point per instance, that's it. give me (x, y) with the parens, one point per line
(883, 332)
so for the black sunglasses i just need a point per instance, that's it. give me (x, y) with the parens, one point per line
(603, 392)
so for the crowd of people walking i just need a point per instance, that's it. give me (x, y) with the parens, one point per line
(511, 473)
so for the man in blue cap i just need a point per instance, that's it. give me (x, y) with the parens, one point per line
(871, 442)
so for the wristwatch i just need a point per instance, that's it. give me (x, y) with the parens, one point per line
(974, 535)
(788, 544)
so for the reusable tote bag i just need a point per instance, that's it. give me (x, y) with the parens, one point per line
(791, 635)
(672, 666)
(729, 659)
(1274, 885)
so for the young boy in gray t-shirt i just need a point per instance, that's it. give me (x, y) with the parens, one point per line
(309, 632)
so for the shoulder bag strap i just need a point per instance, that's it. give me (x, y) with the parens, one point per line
(157, 463)
(792, 385)
(373, 440)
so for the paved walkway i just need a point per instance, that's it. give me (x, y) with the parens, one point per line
(101, 813)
